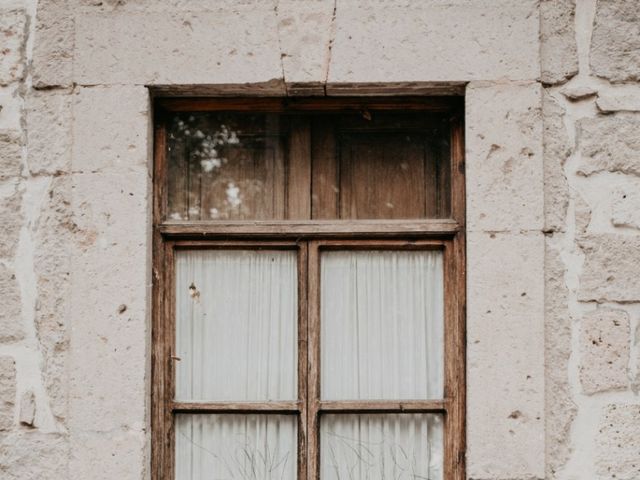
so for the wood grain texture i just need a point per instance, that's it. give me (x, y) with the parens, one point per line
(324, 178)
(325, 104)
(293, 407)
(384, 406)
(313, 376)
(299, 229)
(299, 178)
(303, 357)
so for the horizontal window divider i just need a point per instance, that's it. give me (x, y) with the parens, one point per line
(316, 228)
(277, 407)
(383, 406)
(404, 98)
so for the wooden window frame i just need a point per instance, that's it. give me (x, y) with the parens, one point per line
(309, 238)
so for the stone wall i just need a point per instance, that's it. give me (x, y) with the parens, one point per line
(553, 179)
(590, 69)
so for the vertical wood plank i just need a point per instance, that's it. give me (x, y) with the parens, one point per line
(459, 342)
(299, 178)
(458, 195)
(280, 161)
(457, 300)
(382, 176)
(346, 198)
(430, 177)
(158, 365)
(169, 327)
(194, 185)
(177, 192)
(303, 369)
(313, 431)
(324, 161)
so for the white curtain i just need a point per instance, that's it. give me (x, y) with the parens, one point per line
(381, 446)
(382, 325)
(242, 447)
(236, 325)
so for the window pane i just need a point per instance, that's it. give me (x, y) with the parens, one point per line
(236, 325)
(394, 446)
(236, 446)
(381, 325)
(226, 166)
(381, 165)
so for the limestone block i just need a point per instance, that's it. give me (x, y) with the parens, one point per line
(431, 41)
(625, 208)
(576, 93)
(560, 409)
(604, 350)
(110, 267)
(33, 455)
(558, 48)
(227, 46)
(305, 34)
(615, 42)
(53, 44)
(609, 144)
(10, 314)
(609, 102)
(556, 151)
(7, 392)
(49, 131)
(505, 355)
(582, 215)
(52, 238)
(111, 128)
(504, 164)
(618, 443)
(27, 408)
(154, 6)
(610, 272)
(12, 38)
(121, 453)
(10, 155)
(11, 109)
(11, 192)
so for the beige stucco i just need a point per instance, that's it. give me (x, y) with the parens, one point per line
(552, 108)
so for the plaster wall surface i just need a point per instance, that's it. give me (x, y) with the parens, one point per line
(552, 98)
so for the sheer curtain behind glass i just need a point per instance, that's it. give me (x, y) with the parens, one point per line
(242, 447)
(382, 339)
(381, 446)
(236, 320)
(382, 325)
(236, 338)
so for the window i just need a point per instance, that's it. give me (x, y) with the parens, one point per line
(308, 289)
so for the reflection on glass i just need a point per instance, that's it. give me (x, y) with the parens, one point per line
(243, 447)
(236, 325)
(381, 325)
(225, 166)
(377, 446)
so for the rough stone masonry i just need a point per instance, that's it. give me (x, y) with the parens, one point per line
(552, 92)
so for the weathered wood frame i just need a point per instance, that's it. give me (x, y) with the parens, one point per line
(309, 238)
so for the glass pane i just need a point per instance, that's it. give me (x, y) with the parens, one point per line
(236, 325)
(256, 447)
(226, 166)
(380, 165)
(382, 325)
(377, 446)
